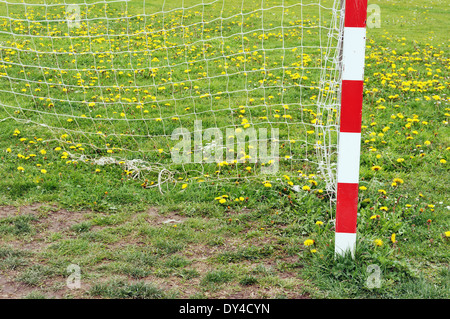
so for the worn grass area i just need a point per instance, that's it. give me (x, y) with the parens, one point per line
(248, 240)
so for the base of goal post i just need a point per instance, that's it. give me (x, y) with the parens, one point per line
(345, 242)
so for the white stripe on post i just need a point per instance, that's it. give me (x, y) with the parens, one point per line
(344, 242)
(349, 153)
(353, 54)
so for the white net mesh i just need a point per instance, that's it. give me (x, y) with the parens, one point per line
(121, 82)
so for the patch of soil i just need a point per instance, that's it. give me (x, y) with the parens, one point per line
(11, 211)
(61, 220)
(154, 217)
(13, 289)
(49, 217)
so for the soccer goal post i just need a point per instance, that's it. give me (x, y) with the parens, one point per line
(353, 54)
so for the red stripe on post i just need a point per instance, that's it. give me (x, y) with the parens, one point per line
(351, 106)
(346, 207)
(355, 13)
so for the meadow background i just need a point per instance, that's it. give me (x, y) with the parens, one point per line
(252, 240)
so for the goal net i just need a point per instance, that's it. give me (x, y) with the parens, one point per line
(212, 90)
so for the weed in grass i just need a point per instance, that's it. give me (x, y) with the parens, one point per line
(11, 259)
(217, 277)
(187, 273)
(248, 280)
(216, 241)
(163, 272)
(36, 294)
(167, 247)
(133, 271)
(17, 225)
(81, 227)
(99, 237)
(71, 247)
(142, 258)
(119, 289)
(176, 262)
(35, 275)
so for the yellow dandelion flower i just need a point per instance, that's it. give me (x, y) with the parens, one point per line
(378, 242)
(308, 242)
(393, 238)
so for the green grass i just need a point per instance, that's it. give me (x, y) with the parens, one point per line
(116, 227)
(123, 290)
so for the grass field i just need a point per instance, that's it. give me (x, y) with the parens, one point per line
(227, 239)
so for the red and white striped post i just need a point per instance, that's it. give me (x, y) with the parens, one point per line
(353, 54)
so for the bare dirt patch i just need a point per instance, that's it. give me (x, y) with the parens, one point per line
(32, 209)
(49, 218)
(154, 217)
(61, 220)
(53, 288)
